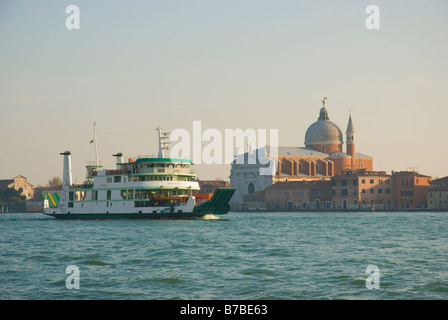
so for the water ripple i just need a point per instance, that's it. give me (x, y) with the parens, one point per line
(239, 256)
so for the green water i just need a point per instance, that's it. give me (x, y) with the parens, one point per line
(238, 256)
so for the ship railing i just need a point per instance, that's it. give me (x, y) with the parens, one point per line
(115, 172)
(82, 186)
(166, 170)
(94, 164)
(132, 159)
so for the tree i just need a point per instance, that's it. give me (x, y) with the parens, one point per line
(9, 196)
(54, 182)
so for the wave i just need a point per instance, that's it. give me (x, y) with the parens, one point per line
(210, 217)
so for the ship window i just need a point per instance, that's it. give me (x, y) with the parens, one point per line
(123, 194)
(109, 180)
(109, 192)
(130, 194)
(117, 179)
(145, 194)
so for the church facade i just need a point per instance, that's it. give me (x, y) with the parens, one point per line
(321, 158)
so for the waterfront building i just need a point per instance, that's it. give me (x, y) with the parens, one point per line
(352, 190)
(362, 189)
(438, 194)
(298, 195)
(321, 158)
(209, 186)
(410, 189)
(21, 184)
(254, 201)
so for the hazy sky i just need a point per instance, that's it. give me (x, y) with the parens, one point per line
(134, 65)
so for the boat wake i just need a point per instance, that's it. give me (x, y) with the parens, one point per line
(210, 217)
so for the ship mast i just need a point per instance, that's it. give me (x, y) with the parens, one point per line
(163, 145)
(97, 162)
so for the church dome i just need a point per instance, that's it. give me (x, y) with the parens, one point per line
(323, 131)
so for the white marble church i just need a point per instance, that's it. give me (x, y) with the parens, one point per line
(320, 159)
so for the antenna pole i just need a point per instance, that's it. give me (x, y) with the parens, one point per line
(96, 146)
(162, 144)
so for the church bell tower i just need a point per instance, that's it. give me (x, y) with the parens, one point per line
(350, 135)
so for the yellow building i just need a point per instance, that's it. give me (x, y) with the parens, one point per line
(438, 194)
(20, 183)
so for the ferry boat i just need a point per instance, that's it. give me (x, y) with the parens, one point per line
(138, 188)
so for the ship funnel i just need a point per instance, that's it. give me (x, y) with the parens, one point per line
(66, 181)
(119, 157)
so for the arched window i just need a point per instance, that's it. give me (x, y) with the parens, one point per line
(361, 164)
(323, 148)
(251, 188)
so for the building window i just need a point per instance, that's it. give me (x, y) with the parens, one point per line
(371, 181)
(380, 190)
(363, 181)
(361, 164)
(372, 191)
(344, 192)
(251, 187)
(344, 183)
(387, 190)
(323, 148)
(363, 191)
